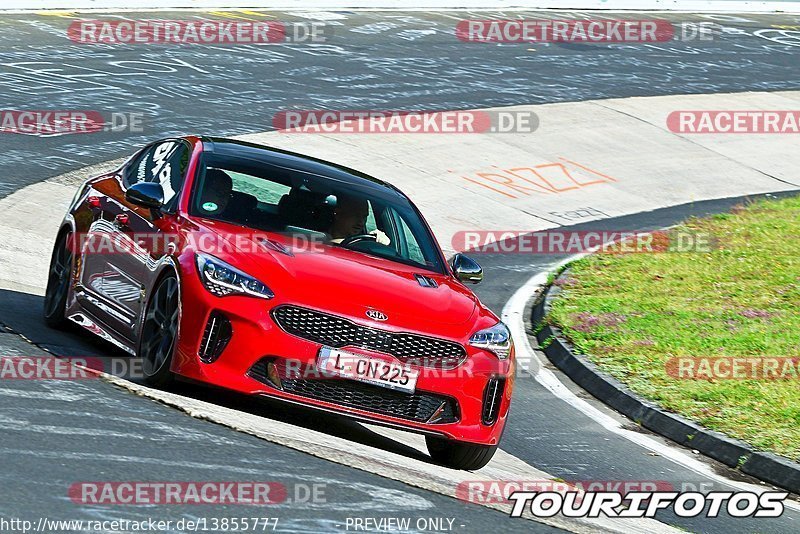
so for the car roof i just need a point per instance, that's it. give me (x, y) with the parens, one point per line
(301, 162)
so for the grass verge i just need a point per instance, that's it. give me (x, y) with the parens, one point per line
(636, 314)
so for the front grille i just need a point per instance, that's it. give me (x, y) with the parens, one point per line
(339, 332)
(216, 336)
(492, 397)
(419, 407)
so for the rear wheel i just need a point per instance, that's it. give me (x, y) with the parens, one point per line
(459, 455)
(58, 280)
(160, 332)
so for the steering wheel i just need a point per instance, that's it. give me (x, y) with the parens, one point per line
(358, 237)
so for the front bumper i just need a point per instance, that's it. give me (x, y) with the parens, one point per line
(451, 403)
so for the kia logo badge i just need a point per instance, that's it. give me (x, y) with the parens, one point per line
(375, 315)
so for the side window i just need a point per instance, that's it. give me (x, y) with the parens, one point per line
(414, 252)
(265, 191)
(164, 162)
(405, 242)
(371, 225)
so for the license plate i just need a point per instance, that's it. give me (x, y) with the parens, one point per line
(334, 362)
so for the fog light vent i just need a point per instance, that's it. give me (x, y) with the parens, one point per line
(215, 337)
(492, 397)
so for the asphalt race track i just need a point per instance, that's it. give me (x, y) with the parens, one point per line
(56, 434)
(408, 61)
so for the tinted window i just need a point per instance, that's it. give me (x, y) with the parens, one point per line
(372, 220)
(164, 162)
(409, 240)
(265, 191)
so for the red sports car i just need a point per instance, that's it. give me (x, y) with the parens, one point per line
(272, 273)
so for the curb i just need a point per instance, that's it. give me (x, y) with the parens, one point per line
(765, 466)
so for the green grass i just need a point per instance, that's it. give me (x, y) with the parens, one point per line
(633, 312)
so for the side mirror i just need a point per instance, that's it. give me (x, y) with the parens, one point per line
(466, 269)
(146, 194)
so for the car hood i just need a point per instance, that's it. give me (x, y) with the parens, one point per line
(345, 282)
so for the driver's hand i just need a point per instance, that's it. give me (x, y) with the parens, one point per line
(381, 238)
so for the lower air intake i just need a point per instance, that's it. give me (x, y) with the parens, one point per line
(420, 406)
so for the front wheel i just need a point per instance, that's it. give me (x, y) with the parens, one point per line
(58, 280)
(459, 455)
(160, 332)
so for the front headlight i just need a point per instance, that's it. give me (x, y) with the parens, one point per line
(496, 339)
(223, 279)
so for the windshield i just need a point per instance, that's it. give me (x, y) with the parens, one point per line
(268, 197)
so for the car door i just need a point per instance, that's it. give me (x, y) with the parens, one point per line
(150, 232)
(137, 240)
(106, 292)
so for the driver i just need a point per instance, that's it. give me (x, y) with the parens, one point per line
(350, 218)
(216, 191)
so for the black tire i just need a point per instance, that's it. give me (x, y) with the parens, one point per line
(159, 332)
(58, 281)
(459, 455)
